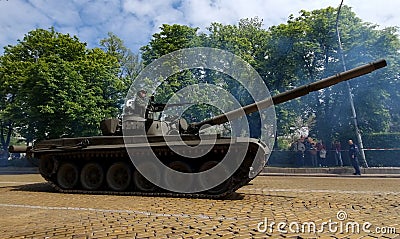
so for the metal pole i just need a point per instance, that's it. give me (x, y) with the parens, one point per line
(353, 110)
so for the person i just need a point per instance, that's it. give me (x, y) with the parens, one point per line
(353, 154)
(299, 148)
(338, 155)
(321, 156)
(313, 153)
(307, 152)
(134, 121)
(139, 107)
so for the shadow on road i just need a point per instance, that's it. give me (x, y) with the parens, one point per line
(34, 187)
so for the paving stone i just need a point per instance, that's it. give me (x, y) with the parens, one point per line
(33, 213)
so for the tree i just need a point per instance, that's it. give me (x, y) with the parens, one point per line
(247, 40)
(169, 39)
(305, 49)
(130, 64)
(51, 85)
(244, 40)
(301, 51)
(172, 38)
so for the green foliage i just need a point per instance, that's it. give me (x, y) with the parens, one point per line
(283, 143)
(51, 85)
(301, 51)
(305, 49)
(379, 158)
(129, 62)
(170, 38)
(245, 40)
(382, 140)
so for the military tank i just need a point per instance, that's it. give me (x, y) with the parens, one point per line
(104, 165)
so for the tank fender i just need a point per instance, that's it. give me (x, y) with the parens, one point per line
(260, 160)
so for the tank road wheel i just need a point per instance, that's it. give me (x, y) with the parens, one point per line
(207, 165)
(174, 181)
(46, 167)
(180, 166)
(92, 176)
(219, 188)
(119, 176)
(142, 183)
(68, 176)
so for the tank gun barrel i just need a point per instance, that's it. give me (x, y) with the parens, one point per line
(289, 95)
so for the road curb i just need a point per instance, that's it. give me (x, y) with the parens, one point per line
(381, 172)
(18, 170)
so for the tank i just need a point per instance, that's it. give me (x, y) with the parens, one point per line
(104, 165)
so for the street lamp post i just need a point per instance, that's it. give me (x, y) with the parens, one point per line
(353, 110)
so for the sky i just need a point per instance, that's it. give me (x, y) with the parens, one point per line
(134, 21)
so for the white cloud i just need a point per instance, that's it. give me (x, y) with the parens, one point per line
(16, 19)
(99, 12)
(275, 12)
(154, 13)
(63, 13)
(133, 32)
(384, 13)
(147, 10)
(135, 21)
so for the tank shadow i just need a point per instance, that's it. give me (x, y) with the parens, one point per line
(46, 188)
(34, 187)
(234, 196)
(273, 196)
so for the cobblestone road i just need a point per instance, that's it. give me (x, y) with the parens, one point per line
(277, 207)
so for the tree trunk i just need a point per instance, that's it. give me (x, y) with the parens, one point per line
(5, 137)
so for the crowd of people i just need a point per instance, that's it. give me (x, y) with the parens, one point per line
(309, 152)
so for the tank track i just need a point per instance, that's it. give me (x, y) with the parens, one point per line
(149, 194)
(238, 179)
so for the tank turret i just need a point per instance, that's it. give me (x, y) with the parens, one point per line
(104, 164)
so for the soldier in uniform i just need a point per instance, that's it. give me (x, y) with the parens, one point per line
(135, 114)
(139, 107)
(353, 153)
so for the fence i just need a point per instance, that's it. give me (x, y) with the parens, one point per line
(376, 157)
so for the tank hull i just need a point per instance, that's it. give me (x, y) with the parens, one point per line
(102, 165)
